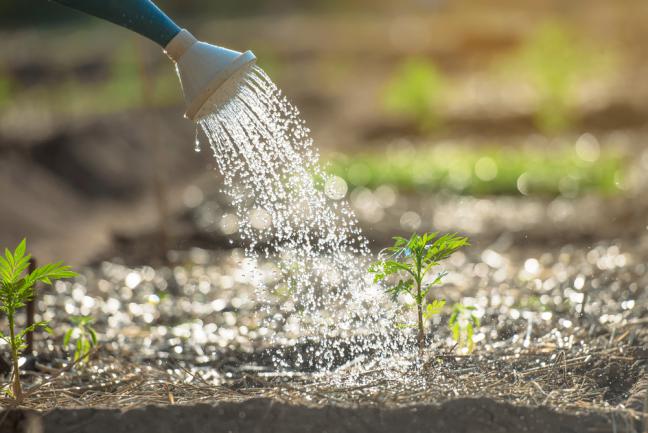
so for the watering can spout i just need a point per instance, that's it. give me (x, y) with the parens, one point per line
(140, 16)
(209, 74)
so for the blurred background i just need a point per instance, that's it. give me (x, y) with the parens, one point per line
(521, 123)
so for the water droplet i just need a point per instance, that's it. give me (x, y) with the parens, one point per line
(197, 141)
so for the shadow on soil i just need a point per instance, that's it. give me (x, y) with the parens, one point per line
(264, 415)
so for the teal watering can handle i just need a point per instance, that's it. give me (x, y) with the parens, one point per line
(141, 16)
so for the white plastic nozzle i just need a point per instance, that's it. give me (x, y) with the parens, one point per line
(209, 74)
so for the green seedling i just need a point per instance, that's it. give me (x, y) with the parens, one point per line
(84, 336)
(462, 323)
(16, 290)
(409, 261)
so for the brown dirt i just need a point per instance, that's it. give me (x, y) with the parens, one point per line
(265, 415)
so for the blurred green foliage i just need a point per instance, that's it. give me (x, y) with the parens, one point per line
(415, 92)
(481, 171)
(554, 63)
(462, 324)
(124, 89)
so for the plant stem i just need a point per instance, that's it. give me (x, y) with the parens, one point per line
(419, 307)
(419, 302)
(30, 311)
(16, 388)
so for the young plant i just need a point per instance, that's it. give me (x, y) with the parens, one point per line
(16, 289)
(462, 323)
(84, 335)
(410, 261)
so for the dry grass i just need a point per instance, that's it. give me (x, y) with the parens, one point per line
(573, 384)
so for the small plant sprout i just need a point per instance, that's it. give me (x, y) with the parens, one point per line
(16, 290)
(409, 261)
(84, 337)
(462, 323)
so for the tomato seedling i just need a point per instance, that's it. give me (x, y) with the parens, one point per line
(408, 262)
(462, 323)
(16, 289)
(84, 336)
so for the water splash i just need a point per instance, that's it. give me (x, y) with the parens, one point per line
(292, 216)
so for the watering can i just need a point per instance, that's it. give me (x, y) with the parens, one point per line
(209, 74)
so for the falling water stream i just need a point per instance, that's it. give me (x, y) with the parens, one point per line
(294, 218)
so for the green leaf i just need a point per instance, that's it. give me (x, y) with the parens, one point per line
(391, 267)
(19, 252)
(93, 336)
(47, 273)
(12, 265)
(9, 257)
(403, 286)
(31, 328)
(453, 318)
(68, 335)
(456, 331)
(469, 336)
(79, 350)
(434, 308)
(5, 270)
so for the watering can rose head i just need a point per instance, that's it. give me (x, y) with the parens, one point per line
(210, 75)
